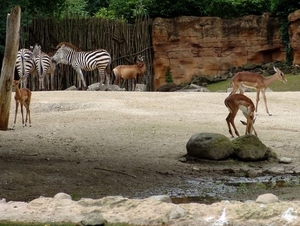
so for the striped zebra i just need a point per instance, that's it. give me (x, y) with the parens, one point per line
(44, 66)
(84, 60)
(25, 65)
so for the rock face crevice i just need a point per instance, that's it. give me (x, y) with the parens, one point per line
(201, 46)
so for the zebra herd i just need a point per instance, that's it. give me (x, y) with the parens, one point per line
(33, 60)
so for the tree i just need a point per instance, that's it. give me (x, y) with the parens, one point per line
(7, 71)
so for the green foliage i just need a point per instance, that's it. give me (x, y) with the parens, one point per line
(217, 8)
(124, 10)
(73, 8)
(281, 9)
(93, 6)
(168, 75)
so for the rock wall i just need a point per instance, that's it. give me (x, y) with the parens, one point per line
(294, 33)
(201, 46)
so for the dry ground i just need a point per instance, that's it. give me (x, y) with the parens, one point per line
(95, 144)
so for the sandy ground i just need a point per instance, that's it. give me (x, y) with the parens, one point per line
(95, 144)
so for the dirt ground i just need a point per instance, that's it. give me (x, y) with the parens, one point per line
(95, 144)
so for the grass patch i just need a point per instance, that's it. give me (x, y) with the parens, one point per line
(293, 84)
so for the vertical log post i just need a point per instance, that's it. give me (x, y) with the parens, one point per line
(8, 66)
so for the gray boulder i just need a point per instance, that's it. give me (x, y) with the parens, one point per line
(211, 146)
(250, 148)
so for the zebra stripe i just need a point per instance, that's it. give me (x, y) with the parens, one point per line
(44, 66)
(25, 65)
(81, 60)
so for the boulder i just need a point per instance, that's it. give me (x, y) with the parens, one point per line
(211, 146)
(267, 198)
(250, 148)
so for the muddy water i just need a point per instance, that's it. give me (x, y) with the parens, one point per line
(208, 191)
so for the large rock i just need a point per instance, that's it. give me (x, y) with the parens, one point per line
(209, 146)
(294, 32)
(250, 148)
(188, 46)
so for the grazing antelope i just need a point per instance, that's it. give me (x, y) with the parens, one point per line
(84, 60)
(124, 72)
(256, 81)
(22, 96)
(237, 102)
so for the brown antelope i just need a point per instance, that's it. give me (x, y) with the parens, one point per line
(237, 102)
(256, 81)
(22, 96)
(125, 72)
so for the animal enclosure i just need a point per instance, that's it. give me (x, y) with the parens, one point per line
(123, 41)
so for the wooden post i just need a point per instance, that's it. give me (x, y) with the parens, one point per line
(8, 66)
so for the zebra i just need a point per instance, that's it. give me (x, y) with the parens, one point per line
(84, 60)
(25, 65)
(44, 66)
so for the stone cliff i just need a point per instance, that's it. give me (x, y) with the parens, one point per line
(294, 33)
(202, 46)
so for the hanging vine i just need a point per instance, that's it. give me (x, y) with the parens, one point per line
(281, 9)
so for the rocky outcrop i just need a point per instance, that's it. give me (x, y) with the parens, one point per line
(188, 46)
(266, 210)
(294, 33)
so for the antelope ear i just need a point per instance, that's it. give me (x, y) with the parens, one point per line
(275, 69)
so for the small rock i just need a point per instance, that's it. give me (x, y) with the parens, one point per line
(297, 169)
(252, 173)
(267, 198)
(92, 219)
(162, 198)
(285, 160)
(62, 195)
(176, 213)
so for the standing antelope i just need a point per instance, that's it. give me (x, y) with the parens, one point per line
(44, 66)
(22, 96)
(237, 102)
(80, 60)
(125, 72)
(256, 81)
(25, 66)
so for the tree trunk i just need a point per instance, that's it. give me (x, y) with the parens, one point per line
(8, 66)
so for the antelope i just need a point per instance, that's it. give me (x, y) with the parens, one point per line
(125, 72)
(237, 102)
(256, 81)
(22, 96)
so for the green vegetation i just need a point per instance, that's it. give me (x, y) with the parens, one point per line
(129, 10)
(168, 75)
(293, 84)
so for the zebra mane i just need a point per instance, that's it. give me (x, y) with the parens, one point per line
(70, 45)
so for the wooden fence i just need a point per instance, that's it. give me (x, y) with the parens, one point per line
(123, 41)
